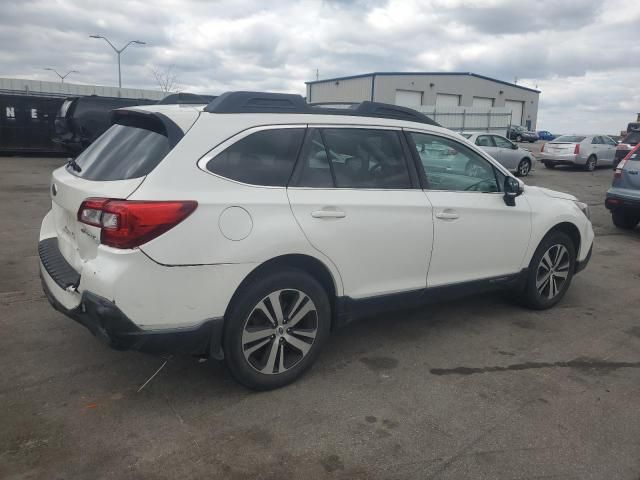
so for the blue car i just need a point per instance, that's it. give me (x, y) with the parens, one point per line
(546, 135)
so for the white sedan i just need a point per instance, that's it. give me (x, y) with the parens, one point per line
(510, 155)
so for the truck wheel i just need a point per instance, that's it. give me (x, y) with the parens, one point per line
(276, 328)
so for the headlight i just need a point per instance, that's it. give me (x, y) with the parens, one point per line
(584, 208)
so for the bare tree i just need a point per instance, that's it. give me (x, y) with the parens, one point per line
(166, 79)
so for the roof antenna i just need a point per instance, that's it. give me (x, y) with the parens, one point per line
(317, 74)
(515, 81)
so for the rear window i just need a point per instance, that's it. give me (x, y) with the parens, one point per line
(569, 139)
(633, 138)
(129, 149)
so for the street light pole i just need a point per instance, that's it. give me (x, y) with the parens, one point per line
(62, 77)
(118, 52)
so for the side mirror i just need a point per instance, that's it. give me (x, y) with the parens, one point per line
(512, 189)
(515, 146)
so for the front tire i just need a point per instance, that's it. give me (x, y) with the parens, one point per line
(624, 219)
(519, 138)
(550, 271)
(524, 167)
(275, 329)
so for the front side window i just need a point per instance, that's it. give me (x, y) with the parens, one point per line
(449, 165)
(502, 142)
(484, 141)
(353, 158)
(264, 158)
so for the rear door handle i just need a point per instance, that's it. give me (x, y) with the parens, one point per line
(447, 215)
(328, 214)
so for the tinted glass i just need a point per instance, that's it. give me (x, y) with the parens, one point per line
(263, 158)
(502, 142)
(569, 139)
(450, 165)
(314, 165)
(609, 141)
(122, 152)
(484, 141)
(364, 158)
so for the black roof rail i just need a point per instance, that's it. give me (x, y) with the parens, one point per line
(186, 99)
(267, 102)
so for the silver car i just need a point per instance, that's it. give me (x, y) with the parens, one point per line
(517, 159)
(586, 151)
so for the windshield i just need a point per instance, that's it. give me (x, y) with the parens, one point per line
(122, 152)
(569, 139)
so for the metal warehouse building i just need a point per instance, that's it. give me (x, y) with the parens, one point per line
(458, 100)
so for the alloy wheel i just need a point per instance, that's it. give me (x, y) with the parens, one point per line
(553, 271)
(280, 331)
(523, 168)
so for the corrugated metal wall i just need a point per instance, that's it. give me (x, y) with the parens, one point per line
(37, 87)
(347, 90)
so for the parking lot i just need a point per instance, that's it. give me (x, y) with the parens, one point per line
(479, 388)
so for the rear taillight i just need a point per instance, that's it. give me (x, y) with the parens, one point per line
(576, 150)
(542, 148)
(130, 223)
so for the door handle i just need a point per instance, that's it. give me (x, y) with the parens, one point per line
(328, 214)
(447, 215)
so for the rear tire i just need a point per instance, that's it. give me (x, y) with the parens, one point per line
(519, 138)
(550, 271)
(625, 219)
(276, 328)
(591, 164)
(524, 167)
(549, 164)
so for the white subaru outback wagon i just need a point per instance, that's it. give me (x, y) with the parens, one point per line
(249, 228)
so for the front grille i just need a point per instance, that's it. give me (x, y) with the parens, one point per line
(56, 265)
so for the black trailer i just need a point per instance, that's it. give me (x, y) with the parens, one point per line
(80, 120)
(27, 124)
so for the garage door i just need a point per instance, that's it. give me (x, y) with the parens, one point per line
(408, 98)
(447, 100)
(516, 108)
(482, 102)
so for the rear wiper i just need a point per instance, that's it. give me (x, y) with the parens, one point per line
(74, 165)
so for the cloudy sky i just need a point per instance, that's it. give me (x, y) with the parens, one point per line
(582, 54)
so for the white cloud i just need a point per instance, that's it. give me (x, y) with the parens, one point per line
(580, 53)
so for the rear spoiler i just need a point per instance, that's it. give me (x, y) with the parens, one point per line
(156, 121)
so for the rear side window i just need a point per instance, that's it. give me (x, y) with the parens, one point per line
(569, 139)
(264, 158)
(129, 149)
(354, 158)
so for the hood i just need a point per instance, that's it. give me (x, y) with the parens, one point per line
(555, 193)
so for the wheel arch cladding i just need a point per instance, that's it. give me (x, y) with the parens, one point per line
(306, 263)
(571, 230)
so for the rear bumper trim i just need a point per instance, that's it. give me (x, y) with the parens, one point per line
(56, 265)
(109, 324)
